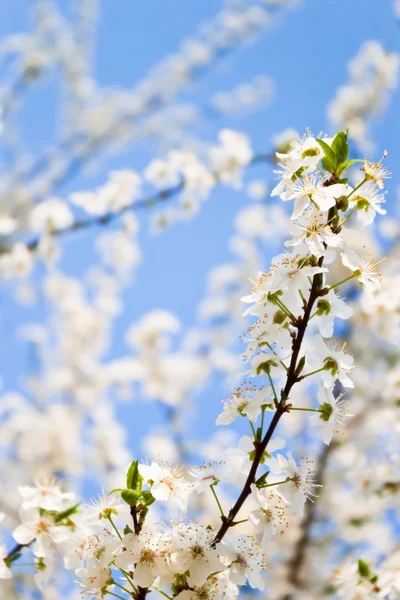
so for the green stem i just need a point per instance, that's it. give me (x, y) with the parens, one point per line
(127, 576)
(357, 187)
(332, 287)
(217, 500)
(239, 523)
(347, 217)
(253, 430)
(262, 420)
(122, 587)
(312, 373)
(161, 592)
(277, 483)
(115, 529)
(276, 354)
(115, 595)
(285, 309)
(273, 388)
(307, 409)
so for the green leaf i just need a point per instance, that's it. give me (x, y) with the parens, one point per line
(301, 365)
(147, 498)
(262, 480)
(127, 530)
(348, 163)
(326, 164)
(265, 367)
(329, 154)
(363, 568)
(130, 496)
(65, 514)
(134, 480)
(14, 557)
(340, 147)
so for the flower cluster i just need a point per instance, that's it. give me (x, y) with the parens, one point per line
(119, 545)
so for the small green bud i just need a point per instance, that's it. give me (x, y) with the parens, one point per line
(331, 365)
(326, 411)
(363, 568)
(323, 307)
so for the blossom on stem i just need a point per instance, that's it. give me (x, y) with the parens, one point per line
(300, 484)
(46, 494)
(364, 269)
(313, 229)
(333, 414)
(244, 401)
(246, 558)
(40, 529)
(146, 555)
(193, 551)
(269, 518)
(367, 201)
(167, 483)
(329, 307)
(333, 362)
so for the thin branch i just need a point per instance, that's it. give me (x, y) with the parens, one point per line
(291, 379)
(109, 217)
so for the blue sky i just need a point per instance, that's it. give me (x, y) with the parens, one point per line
(306, 55)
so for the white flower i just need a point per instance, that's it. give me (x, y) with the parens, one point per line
(51, 215)
(193, 552)
(40, 528)
(329, 307)
(7, 225)
(307, 150)
(333, 414)
(96, 577)
(105, 507)
(46, 570)
(16, 263)
(265, 362)
(245, 400)
(288, 173)
(312, 189)
(376, 172)
(266, 334)
(367, 201)
(291, 273)
(296, 491)
(5, 571)
(205, 475)
(46, 494)
(118, 192)
(162, 174)
(258, 296)
(336, 363)
(91, 549)
(313, 229)
(364, 269)
(217, 587)
(167, 483)
(247, 560)
(269, 518)
(149, 553)
(351, 585)
(229, 159)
